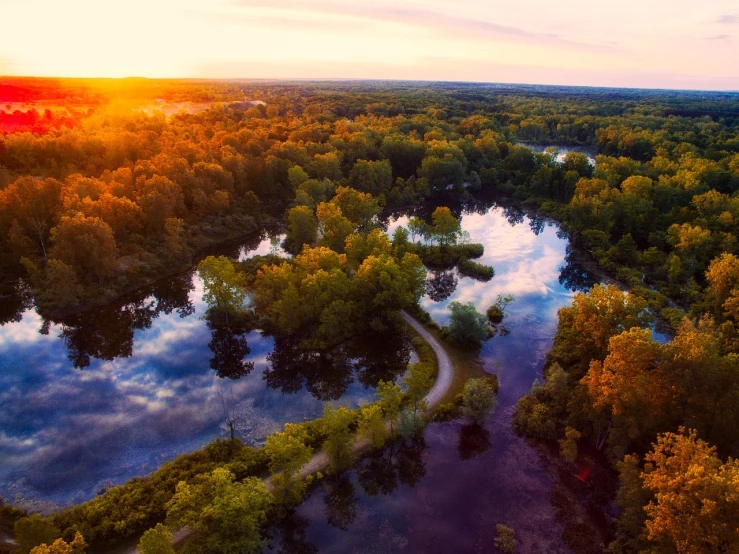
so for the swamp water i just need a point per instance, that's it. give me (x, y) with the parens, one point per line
(113, 394)
(118, 393)
(446, 492)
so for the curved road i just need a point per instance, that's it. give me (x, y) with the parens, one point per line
(446, 369)
(440, 387)
(320, 460)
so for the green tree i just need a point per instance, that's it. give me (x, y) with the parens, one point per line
(467, 326)
(157, 540)
(372, 425)
(223, 286)
(302, 227)
(226, 514)
(34, 530)
(410, 423)
(478, 399)
(416, 226)
(375, 178)
(335, 425)
(287, 454)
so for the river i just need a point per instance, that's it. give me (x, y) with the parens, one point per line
(446, 492)
(95, 400)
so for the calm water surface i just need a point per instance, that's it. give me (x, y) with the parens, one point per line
(447, 492)
(99, 399)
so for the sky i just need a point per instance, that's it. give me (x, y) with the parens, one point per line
(630, 43)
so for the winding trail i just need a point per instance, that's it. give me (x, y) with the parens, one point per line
(320, 461)
(446, 369)
(445, 372)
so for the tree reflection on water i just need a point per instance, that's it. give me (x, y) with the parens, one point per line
(474, 440)
(328, 374)
(107, 333)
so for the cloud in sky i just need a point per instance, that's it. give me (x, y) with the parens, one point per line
(429, 20)
(657, 44)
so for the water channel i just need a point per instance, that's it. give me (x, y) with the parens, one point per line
(97, 400)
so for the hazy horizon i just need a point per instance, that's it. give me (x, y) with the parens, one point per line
(676, 45)
(369, 80)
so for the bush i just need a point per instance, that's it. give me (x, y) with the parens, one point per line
(446, 412)
(422, 316)
(474, 270)
(448, 256)
(496, 311)
(505, 541)
(467, 327)
(478, 399)
(128, 510)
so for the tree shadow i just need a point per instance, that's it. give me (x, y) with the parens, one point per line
(474, 440)
(441, 285)
(400, 462)
(340, 502)
(229, 352)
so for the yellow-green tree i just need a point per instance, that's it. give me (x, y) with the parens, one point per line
(372, 425)
(157, 540)
(445, 227)
(335, 425)
(60, 546)
(391, 398)
(225, 513)
(288, 453)
(223, 286)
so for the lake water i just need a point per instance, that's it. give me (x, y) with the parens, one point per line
(562, 151)
(118, 392)
(447, 492)
(98, 399)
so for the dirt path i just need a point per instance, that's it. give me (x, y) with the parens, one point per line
(320, 461)
(446, 369)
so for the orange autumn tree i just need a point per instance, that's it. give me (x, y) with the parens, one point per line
(696, 497)
(626, 389)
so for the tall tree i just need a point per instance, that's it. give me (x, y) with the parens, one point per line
(223, 286)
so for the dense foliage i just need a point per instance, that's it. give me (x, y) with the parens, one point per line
(103, 196)
(611, 384)
(128, 194)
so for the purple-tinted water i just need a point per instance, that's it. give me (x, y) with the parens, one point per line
(462, 480)
(102, 398)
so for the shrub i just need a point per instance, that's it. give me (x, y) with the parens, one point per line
(478, 399)
(505, 541)
(467, 327)
(474, 270)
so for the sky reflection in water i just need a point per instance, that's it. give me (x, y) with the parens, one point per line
(466, 479)
(67, 432)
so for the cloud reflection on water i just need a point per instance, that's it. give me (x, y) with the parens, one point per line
(65, 431)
